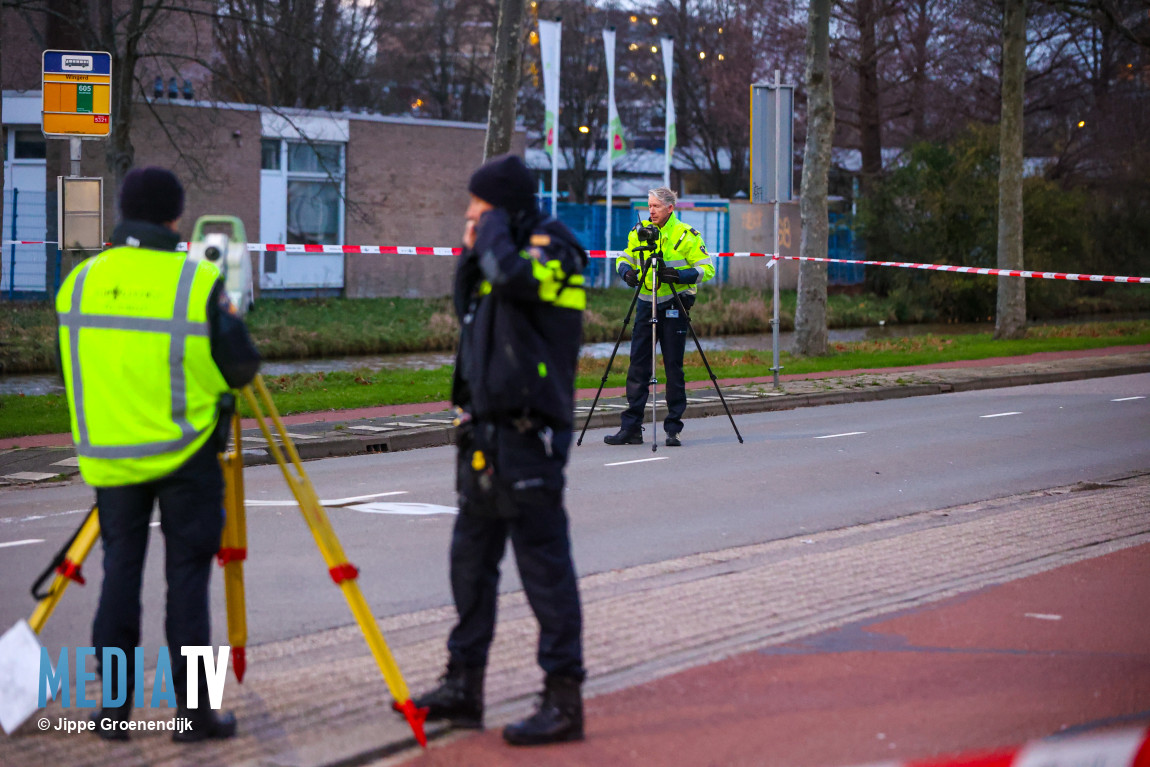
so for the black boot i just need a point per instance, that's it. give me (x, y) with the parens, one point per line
(203, 724)
(458, 698)
(107, 722)
(625, 437)
(558, 719)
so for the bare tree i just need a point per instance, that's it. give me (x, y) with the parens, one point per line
(434, 58)
(505, 78)
(296, 53)
(1010, 318)
(811, 312)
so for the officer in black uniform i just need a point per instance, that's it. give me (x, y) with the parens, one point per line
(520, 299)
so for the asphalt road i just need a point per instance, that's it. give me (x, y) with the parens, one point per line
(798, 471)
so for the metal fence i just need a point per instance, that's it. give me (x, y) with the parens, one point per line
(25, 269)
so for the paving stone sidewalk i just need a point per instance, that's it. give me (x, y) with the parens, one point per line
(319, 700)
(326, 435)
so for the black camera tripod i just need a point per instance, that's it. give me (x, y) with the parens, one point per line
(651, 263)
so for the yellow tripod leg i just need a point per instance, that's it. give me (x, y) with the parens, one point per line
(234, 550)
(342, 572)
(68, 570)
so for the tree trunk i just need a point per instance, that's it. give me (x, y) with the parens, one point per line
(505, 78)
(811, 313)
(870, 119)
(1010, 318)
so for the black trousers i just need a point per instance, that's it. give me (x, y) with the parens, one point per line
(541, 541)
(672, 339)
(191, 519)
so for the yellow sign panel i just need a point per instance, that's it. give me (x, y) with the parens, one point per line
(77, 88)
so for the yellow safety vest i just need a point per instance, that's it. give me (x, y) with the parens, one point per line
(681, 246)
(142, 386)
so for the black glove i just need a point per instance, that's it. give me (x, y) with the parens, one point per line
(669, 275)
(631, 278)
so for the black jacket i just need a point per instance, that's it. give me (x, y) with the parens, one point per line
(518, 350)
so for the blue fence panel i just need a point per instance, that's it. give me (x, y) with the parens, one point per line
(588, 223)
(24, 268)
(842, 244)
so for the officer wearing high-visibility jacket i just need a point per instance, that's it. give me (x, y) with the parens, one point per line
(686, 263)
(520, 299)
(149, 347)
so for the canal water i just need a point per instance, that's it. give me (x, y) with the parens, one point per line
(50, 384)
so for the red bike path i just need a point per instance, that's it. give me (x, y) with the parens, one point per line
(1063, 651)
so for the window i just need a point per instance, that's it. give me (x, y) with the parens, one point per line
(313, 212)
(30, 145)
(270, 154)
(312, 185)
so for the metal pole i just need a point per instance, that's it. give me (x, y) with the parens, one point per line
(610, 200)
(12, 258)
(778, 203)
(555, 130)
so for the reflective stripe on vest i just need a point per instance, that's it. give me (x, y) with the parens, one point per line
(555, 287)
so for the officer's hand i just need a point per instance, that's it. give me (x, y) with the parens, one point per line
(669, 274)
(631, 278)
(469, 235)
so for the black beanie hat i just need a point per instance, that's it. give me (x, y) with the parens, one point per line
(505, 182)
(151, 194)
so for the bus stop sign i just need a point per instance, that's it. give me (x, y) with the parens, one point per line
(77, 88)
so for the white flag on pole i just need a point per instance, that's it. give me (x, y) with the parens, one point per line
(549, 32)
(617, 143)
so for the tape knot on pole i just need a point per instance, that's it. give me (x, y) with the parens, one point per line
(71, 571)
(231, 555)
(345, 572)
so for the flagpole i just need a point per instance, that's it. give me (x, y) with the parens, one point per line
(555, 146)
(668, 145)
(609, 47)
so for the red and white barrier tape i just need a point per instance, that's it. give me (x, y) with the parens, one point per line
(411, 250)
(1118, 748)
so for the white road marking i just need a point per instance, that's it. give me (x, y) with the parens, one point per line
(1043, 616)
(1126, 399)
(372, 428)
(407, 424)
(25, 542)
(844, 434)
(1000, 415)
(641, 460)
(73, 461)
(332, 502)
(295, 435)
(410, 509)
(29, 476)
(34, 517)
(448, 421)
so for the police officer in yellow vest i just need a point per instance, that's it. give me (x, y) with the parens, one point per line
(150, 346)
(686, 263)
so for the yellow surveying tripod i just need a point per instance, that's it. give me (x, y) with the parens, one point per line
(233, 541)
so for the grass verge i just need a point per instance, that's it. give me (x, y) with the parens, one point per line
(308, 392)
